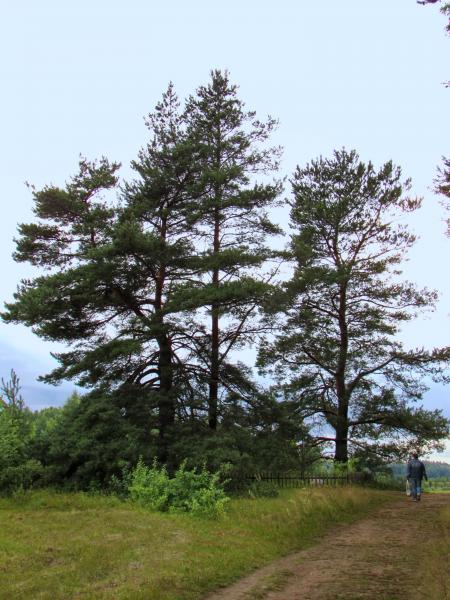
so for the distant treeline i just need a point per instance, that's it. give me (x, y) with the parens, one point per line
(435, 469)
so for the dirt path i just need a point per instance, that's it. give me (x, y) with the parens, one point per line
(375, 558)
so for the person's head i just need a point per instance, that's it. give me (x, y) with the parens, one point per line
(415, 455)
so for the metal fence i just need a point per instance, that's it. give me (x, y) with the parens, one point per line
(437, 484)
(289, 480)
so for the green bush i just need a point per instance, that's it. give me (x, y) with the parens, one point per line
(263, 489)
(22, 476)
(150, 486)
(199, 493)
(119, 485)
(18, 470)
(92, 439)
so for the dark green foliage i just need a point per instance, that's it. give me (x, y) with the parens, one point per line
(89, 443)
(335, 345)
(155, 285)
(115, 268)
(93, 441)
(264, 435)
(17, 467)
(383, 481)
(96, 437)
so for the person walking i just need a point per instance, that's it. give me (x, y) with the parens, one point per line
(415, 472)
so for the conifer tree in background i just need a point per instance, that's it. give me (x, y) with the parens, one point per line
(234, 225)
(336, 347)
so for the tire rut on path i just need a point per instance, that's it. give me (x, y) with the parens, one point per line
(374, 558)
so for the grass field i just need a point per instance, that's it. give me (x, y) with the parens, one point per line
(78, 546)
(437, 486)
(436, 567)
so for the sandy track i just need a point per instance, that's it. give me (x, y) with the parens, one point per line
(374, 558)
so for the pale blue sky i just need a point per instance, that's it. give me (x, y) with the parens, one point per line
(78, 77)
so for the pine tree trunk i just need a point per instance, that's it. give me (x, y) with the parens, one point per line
(166, 403)
(214, 373)
(341, 450)
(214, 367)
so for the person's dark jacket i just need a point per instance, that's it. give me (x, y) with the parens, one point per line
(416, 470)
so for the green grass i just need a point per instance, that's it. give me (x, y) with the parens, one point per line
(56, 546)
(436, 486)
(436, 566)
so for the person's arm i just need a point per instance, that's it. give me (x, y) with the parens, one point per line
(408, 470)
(424, 473)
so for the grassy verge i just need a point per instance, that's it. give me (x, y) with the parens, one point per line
(435, 583)
(438, 487)
(77, 546)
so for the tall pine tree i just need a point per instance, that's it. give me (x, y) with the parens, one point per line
(336, 345)
(114, 267)
(232, 213)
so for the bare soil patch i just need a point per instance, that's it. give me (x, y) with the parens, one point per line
(379, 557)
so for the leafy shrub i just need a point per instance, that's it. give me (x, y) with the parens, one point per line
(263, 489)
(19, 477)
(120, 485)
(199, 493)
(150, 486)
(18, 470)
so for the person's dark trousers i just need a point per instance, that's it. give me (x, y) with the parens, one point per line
(416, 488)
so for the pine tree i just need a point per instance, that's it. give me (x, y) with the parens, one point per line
(233, 226)
(114, 268)
(336, 347)
(159, 243)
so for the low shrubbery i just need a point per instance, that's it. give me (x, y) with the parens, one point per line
(197, 492)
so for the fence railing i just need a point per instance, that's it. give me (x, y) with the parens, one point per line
(288, 480)
(437, 484)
